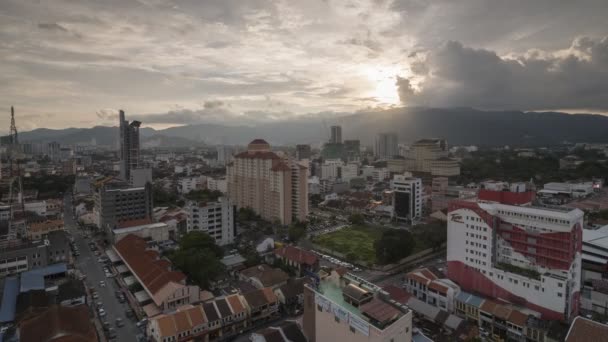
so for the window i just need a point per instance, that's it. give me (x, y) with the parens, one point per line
(352, 330)
(559, 294)
(337, 319)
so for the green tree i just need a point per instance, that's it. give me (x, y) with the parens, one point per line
(296, 232)
(356, 219)
(431, 235)
(162, 197)
(393, 246)
(199, 257)
(204, 195)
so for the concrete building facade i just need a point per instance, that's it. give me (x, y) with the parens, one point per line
(275, 187)
(214, 218)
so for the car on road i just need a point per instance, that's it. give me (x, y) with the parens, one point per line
(111, 333)
(130, 313)
(142, 323)
(109, 275)
(99, 304)
(102, 312)
(140, 338)
(106, 326)
(119, 322)
(102, 283)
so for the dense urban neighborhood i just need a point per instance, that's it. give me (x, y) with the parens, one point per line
(390, 242)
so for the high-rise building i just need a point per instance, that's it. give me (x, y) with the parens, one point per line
(352, 150)
(336, 135)
(431, 156)
(215, 218)
(502, 247)
(349, 308)
(407, 197)
(303, 152)
(387, 145)
(274, 186)
(129, 146)
(224, 154)
(116, 201)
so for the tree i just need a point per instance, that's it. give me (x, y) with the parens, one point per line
(432, 235)
(393, 246)
(163, 198)
(356, 219)
(296, 232)
(204, 195)
(199, 257)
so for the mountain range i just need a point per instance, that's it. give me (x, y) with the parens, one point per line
(460, 126)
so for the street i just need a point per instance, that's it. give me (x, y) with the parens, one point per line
(88, 265)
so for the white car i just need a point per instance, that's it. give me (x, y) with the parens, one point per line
(102, 283)
(109, 275)
(102, 312)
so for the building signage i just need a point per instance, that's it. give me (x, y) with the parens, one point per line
(323, 302)
(456, 218)
(359, 324)
(340, 313)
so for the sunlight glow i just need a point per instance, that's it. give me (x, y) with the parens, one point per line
(383, 79)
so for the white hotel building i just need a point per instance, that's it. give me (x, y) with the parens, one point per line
(520, 254)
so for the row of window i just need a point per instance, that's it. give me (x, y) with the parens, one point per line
(533, 217)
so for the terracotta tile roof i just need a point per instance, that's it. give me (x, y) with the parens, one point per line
(182, 321)
(518, 318)
(379, 311)
(397, 294)
(267, 275)
(143, 262)
(257, 155)
(438, 287)
(46, 225)
(235, 304)
(341, 271)
(223, 308)
(280, 167)
(260, 297)
(133, 223)
(59, 323)
(583, 330)
(428, 274)
(355, 292)
(418, 278)
(166, 325)
(488, 306)
(298, 255)
(502, 312)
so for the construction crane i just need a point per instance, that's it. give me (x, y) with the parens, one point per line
(17, 225)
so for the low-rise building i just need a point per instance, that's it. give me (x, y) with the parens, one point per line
(158, 231)
(302, 260)
(432, 289)
(41, 230)
(166, 288)
(262, 276)
(288, 331)
(262, 304)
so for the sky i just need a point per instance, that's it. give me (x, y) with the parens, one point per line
(74, 63)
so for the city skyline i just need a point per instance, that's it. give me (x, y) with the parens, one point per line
(170, 63)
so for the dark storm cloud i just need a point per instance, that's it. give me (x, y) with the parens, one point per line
(52, 27)
(463, 76)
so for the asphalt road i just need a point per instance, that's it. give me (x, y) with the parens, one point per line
(88, 265)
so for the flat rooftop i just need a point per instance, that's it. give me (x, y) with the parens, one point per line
(380, 311)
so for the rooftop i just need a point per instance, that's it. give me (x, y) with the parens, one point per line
(583, 330)
(380, 312)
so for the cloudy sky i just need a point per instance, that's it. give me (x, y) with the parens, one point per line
(170, 62)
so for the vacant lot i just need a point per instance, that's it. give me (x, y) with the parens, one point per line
(355, 242)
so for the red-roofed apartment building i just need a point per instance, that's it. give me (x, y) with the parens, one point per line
(166, 288)
(298, 258)
(431, 289)
(275, 187)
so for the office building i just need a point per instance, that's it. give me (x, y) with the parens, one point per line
(18, 256)
(336, 135)
(129, 146)
(215, 218)
(431, 156)
(303, 152)
(407, 197)
(116, 201)
(349, 171)
(387, 145)
(224, 154)
(274, 186)
(348, 308)
(352, 150)
(502, 247)
(331, 169)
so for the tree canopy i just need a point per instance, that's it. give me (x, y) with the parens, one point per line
(204, 195)
(394, 245)
(199, 257)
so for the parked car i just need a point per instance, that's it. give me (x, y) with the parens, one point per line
(102, 313)
(102, 283)
(119, 322)
(111, 333)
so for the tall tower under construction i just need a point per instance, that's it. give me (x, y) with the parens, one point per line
(129, 146)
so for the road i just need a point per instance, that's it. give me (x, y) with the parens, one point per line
(88, 265)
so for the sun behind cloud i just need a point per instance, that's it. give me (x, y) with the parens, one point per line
(383, 81)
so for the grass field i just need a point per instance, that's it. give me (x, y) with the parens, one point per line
(353, 241)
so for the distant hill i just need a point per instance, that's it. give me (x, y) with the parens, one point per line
(458, 125)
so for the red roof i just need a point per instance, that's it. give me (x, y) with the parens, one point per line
(134, 223)
(397, 294)
(379, 310)
(506, 197)
(145, 263)
(257, 155)
(280, 166)
(298, 255)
